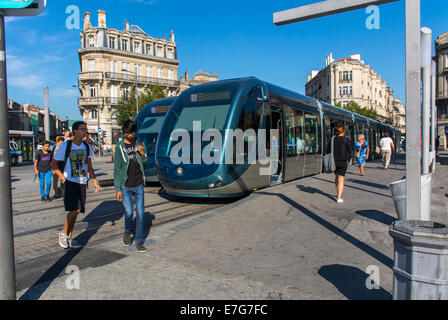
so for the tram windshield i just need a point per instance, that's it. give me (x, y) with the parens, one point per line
(208, 106)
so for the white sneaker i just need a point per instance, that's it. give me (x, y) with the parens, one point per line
(63, 240)
(340, 201)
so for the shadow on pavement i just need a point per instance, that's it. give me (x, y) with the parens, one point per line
(377, 216)
(340, 233)
(352, 283)
(315, 190)
(95, 220)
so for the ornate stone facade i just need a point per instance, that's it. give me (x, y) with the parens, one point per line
(350, 79)
(441, 58)
(113, 61)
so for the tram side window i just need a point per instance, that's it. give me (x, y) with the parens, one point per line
(291, 144)
(300, 121)
(251, 116)
(312, 133)
(252, 110)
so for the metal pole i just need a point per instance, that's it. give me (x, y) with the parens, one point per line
(47, 113)
(136, 89)
(426, 38)
(7, 266)
(433, 114)
(98, 117)
(413, 112)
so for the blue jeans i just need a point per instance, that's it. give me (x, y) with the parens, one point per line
(45, 183)
(135, 196)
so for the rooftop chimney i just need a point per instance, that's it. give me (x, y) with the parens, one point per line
(101, 19)
(127, 26)
(87, 23)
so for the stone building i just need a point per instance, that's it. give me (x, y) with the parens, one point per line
(441, 58)
(350, 79)
(113, 61)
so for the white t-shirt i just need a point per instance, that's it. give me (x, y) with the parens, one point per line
(385, 144)
(76, 168)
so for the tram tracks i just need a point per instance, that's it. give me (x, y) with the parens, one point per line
(39, 242)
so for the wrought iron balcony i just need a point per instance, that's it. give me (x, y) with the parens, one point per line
(128, 77)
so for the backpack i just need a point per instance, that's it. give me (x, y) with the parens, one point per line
(69, 148)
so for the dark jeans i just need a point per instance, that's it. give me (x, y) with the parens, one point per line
(135, 196)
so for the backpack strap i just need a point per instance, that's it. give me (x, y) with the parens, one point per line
(67, 151)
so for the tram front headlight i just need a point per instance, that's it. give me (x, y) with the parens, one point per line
(180, 171)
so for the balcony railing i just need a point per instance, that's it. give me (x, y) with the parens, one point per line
(93, 75)
(345, 80)
(89, 101)
(141, 79)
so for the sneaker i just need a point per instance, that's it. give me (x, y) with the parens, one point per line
(63, 240)
(74, 244)
(340, 201)
(43, 199)
(140, 247)
(127, 239)
(48, 198)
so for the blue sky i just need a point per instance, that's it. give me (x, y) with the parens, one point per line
(233, 38)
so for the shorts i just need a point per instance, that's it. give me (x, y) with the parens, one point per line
(74, 196)
(341, 168)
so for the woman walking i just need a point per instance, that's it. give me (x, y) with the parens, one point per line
(362, 150)
(342, 155)
(387, 146)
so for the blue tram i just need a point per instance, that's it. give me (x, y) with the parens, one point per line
(304, 128)
(149, 122)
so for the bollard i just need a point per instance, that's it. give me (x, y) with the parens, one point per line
(398, 190)
(420, 260)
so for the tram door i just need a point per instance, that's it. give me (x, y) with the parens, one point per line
(277, 144)
(295, 144)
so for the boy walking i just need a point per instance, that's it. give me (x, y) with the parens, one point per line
(42, 168)
(76, 156)
(129, 164)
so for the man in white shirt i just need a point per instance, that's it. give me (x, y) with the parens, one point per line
(76, 155)
(387, 146)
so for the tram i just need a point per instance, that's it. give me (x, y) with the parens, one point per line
(297, 127)
(149, 122)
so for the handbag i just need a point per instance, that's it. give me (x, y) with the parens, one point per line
(358, 153)
(328, 160)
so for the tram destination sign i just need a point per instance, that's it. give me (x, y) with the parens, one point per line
(22, 7)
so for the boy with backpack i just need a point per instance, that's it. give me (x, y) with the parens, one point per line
(76, 156)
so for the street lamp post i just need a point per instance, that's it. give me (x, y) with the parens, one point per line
(136, 88)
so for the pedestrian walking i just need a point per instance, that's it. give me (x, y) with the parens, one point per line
(42, 168)
(342, 155)
(76, 156)
(362, 152)
(387, 146)
(67, 135)
(129, 164)
(58, 188)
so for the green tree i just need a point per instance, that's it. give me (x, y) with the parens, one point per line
(127, 106)
(352, 106)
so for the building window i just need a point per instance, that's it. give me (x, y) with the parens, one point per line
(345, 76)
(137, 47)
(170, 53)
(91, 65)
(345, 91)
(159, 51)
(148, 50)
(340, 91)
(125, 66)
(126, 91)
(91, 41)
(351, 75)
(149, 72)
(92, 91)
(93, 114)
(351, 91)
(112, 43)
(159, 73)
(124, 45)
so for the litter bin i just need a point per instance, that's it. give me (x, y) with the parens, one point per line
(398, 189)
(420, 260)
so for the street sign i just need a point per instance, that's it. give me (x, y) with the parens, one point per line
(33, 8)
(14, 4)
